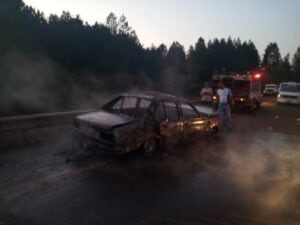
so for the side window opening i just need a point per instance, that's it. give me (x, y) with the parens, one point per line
(171, 111)
(118, 105)
(159, 112)
(143, 106)
(144, 103)
(188, 112)
(129, 103)
(129, 106)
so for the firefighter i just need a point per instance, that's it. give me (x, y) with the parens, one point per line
(224, 96)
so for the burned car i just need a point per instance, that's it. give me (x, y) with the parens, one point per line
(142, 120)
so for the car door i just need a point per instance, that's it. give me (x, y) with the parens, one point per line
(194, 125)
(171, 127)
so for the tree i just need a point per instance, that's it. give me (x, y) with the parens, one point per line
(66, 16)
(252, 55)
(199, 60)
(86, 53)
(296, 66)
(272, 62)
(109, 53)
(162, 50)
(189, 59)
(176, 56)
(111, 23)
(272, 57)
(123, 27)
(154, 62)
(286, 73)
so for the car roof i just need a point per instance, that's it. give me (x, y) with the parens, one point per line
(290, 83)
(154, 96)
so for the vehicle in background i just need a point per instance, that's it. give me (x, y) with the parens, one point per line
(245, 88)
(289, 92)
(270, 89)
(143, 120)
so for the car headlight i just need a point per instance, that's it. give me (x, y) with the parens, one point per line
(278, 96)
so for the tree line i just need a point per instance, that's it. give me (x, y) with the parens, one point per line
(50, 59)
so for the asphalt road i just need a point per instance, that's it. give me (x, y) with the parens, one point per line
(250, 175)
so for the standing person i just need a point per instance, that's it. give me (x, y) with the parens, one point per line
(224, 96)
(206, 94)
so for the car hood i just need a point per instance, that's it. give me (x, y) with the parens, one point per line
(207, 110)
(105, 120)
(295, 94)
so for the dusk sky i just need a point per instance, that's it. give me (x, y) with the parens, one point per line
(165, 21)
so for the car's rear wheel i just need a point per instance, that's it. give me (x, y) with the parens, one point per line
(150, 146)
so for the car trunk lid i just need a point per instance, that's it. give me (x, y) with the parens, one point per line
(105, 120)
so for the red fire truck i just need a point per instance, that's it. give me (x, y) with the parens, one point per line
(246, 89)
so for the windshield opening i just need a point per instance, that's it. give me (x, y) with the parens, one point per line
(241, 88)
(129, 106)
(290, 87)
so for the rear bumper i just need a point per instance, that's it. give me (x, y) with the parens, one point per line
(87, 143)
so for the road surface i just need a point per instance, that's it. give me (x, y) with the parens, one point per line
(250, 175)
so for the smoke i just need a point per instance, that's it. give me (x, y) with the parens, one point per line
(24, 83)
(253, 175)
(36, 84)
(261, 173)
(176, 82)
(246, 177)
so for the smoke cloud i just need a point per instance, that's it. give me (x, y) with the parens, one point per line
(36, 84)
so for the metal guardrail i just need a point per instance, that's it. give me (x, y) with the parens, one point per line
(18, 131)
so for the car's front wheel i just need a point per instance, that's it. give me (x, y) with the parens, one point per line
(213, 134)
(150, 146)
(252, 107)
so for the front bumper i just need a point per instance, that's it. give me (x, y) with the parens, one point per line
(288, 100)
(241, 102)
(269, 92)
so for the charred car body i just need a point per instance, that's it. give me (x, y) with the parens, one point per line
(142, 120)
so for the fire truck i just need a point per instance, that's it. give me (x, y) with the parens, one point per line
(246, 89)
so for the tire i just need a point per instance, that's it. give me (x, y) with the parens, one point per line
(258, 105)
(150, 146)
(213, 134)
(252, 107)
